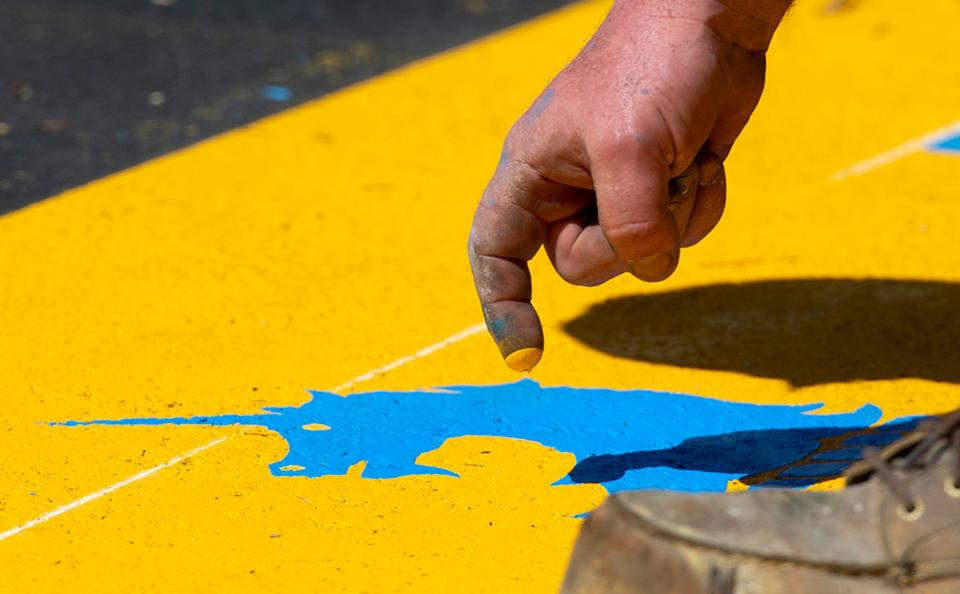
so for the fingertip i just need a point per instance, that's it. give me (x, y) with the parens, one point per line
(655, 268)
(516, 328)
(523, 360)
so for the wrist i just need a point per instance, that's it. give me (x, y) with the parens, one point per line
(749, 24)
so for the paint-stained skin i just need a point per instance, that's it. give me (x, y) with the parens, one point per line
(622, 439)
(540, 105)
(498, 325)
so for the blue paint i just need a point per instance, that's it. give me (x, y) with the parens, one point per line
(540, 105)
(498, 325)
(281, 94)
(504, 158)
(948, 145)
(622, 439)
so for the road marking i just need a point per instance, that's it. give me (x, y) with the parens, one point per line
(107, 490)
(880, 160)
(897, 153)
(466, 333)
(189, 454)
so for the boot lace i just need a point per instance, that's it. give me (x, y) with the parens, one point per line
(914, 452)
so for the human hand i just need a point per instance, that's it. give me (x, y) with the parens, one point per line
(619, 162)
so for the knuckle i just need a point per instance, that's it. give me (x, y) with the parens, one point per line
(513, 143)
(658, 146)
(518, 165)
(472, 243)
(635, 142)
(629, 143)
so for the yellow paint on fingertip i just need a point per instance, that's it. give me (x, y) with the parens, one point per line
(523, 360)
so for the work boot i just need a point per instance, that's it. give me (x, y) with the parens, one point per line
(895, 529)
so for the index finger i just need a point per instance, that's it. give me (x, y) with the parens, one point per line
(505, 235)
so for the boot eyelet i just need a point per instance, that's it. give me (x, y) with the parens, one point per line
(952, 488)
(911, 515)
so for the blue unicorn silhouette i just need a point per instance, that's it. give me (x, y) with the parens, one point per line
(621, 439)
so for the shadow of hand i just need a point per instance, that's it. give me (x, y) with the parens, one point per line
(806, 332)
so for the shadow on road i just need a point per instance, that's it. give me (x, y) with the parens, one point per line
(807, 332)
(769, 458)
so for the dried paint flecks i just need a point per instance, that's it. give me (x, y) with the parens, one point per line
(540, 105)
(499, 325)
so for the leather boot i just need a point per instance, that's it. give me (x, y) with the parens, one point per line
(895, 529)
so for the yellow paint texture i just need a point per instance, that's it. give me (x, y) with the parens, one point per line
(314, 246)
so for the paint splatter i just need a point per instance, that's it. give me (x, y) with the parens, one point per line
(276, 93)
(621, 439)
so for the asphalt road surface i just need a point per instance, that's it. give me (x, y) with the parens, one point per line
(89, 87)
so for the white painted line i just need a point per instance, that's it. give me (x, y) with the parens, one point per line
(897, 153)
(407, 359)
(177, 459)
(107, 490)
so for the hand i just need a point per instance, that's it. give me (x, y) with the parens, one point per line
(619, 162)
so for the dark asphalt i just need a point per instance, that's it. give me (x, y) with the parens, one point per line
(91, 87)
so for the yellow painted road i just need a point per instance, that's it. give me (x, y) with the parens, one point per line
(311, 248)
